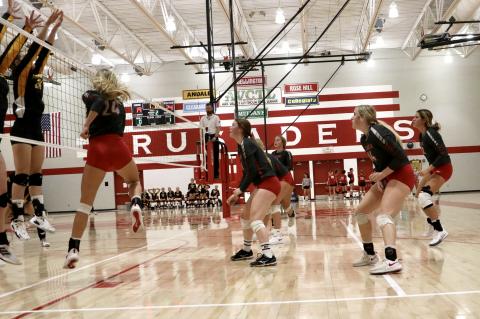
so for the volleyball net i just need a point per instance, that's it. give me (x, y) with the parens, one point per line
(156, 132)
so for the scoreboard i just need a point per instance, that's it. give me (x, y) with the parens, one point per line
(148, 114)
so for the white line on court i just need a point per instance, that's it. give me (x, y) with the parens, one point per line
(395, 286)
(244, 304)
(69, 272)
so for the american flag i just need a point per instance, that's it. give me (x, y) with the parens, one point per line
(52, 133)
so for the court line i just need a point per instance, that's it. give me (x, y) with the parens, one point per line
(395, 286)
(244, 304)
(69, 272)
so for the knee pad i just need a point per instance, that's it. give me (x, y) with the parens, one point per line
(425, 198)
(4, 200)
(384, 219)
(244, 223)
(362, 218)
(257, 225)
(276, 209)
(84, 209)
(35, 179)
(20, 179)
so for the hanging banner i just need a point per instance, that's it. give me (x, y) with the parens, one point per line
(196, 94)
(258, 113)
(252, 81)
(301, 100)
(197, 107)
(301, 88)
(249, 97)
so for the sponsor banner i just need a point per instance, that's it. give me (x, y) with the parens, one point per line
(258, 113)
(196, 94)
(314, 135)
(197, 107)
(301, 88)
(251, 97)
(252, 81)
(301, 100)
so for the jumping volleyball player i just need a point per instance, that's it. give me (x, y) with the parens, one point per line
(257, 170)
(8, 56)
(107, 152)
(437, 174)
(28, 108)
(394, 180)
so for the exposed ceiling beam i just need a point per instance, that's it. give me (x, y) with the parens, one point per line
(370, 11)
(240, 24)
(432, 11)
(147, 13)
(304, 24)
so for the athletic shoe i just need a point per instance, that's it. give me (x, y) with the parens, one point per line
(7, 256)
(276, 239)
(385, 267)
(438, 237)
(72, 258)
(44, 243)
(264, 261)
(18, 226)
(242, 255)
(137, 219)
(366, 260)
(42, 223)
(292, 214)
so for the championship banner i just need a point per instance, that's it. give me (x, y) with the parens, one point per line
(301, 88)
(251, 97)
(252, 81)
(196, 94)
(301, 100)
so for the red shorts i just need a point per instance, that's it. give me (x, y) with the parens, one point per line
(108, 152)
(271, 184)
(288, 178)
(404, 175)
(445, 170)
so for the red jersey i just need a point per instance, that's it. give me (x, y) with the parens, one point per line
(351, 177)
(343, 179)
(332, 181)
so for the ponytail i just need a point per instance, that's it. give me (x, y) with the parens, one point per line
(427, 116)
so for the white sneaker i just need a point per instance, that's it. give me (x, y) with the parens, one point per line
(18, 226)
(42, 223)
(385, 267)
(44, 243)
(438, 237)
(276, 239)
(137, 219)
(7, 256)
(72, 258)
(366, 260)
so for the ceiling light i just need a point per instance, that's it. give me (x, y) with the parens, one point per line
(448, 58)
(393, 11)
(125, 78)
(280, 17)
(170, 24)
(379, 42)
(96, 59)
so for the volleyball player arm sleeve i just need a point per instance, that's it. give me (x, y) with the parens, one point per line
(41, 61)
(13, 49)
(437, 142)
(250, 155)
(387, 141)
(20, 74)
(289, 161)
(3, 28)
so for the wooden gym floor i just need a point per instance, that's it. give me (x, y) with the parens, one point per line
(180, 268)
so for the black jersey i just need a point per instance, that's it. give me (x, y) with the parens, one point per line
(178, 194)
(434, 148)
(170, 194)
(285, 157)
(280, 169)
(163, 195)
(214, 193)
(146, 196)
(383, 148)
(111, 114)
(256, 164)
(192, 186)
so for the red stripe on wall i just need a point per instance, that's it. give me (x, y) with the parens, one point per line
(359, 96)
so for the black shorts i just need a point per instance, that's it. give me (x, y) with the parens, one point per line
(306, 187)
(28, 130)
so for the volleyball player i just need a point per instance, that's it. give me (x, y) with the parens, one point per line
(332, 185)
(394, 179)
(257, 170)
(351, 181)
(28, 108)
(215, 196)
(342, 182)
(170, 197)
(104, 127)
(362, 183)
(306, 184)
(436, 174)
(8, 56)
(162, 198)
(178, 197)
(286, 158)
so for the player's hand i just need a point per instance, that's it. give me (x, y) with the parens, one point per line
(58, 22)
(53, 17)
(85, 133)
(14, 9)
(425, 172)
(237, 192)
(33, 21)
(232, 200)
(376, 177)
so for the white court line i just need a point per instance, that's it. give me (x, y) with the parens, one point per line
(244, 304)
(395, 286)
(69, 272)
